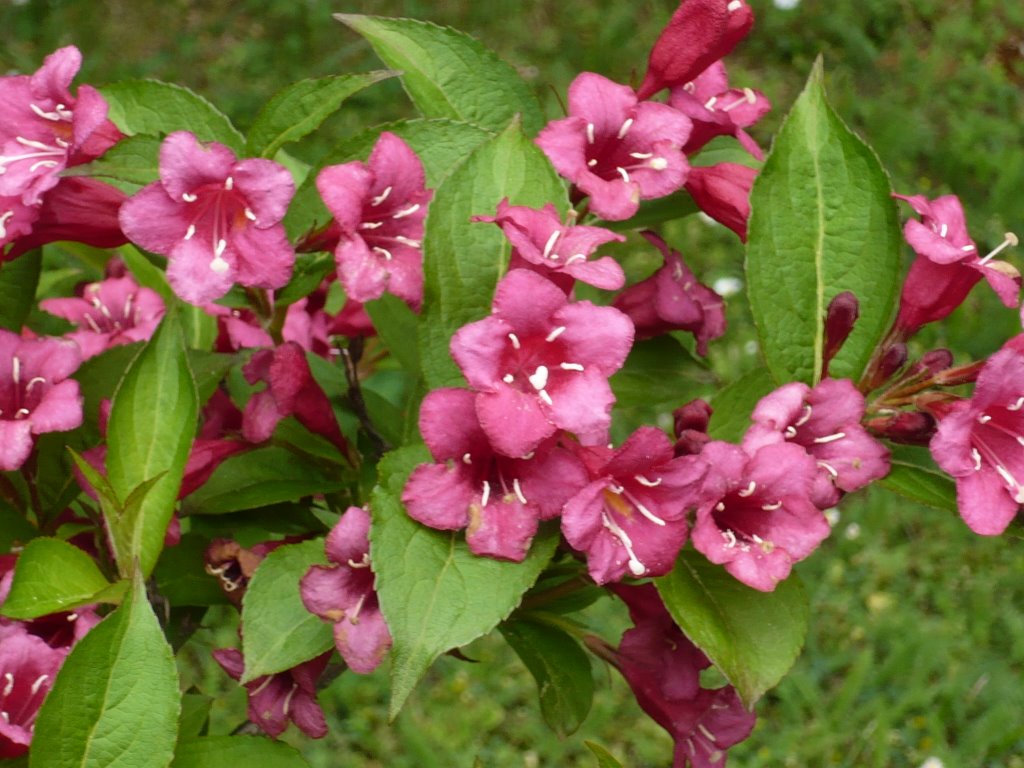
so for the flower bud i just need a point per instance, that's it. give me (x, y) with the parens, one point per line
(840, 318)
(908, 427)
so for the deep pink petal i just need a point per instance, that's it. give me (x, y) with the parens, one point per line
(186, 164)
(515, 423)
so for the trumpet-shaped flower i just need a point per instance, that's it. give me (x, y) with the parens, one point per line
(217, 219)
(541, 363)
(615, 148)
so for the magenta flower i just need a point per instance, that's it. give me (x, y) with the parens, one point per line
(217, 219)
(718, 110)
(722, 191)
(27, 669)
(542, 243)
(379, 207)
(631, 518)
(947, 264)
(672, 299)
(36, 394)
(756, 516)
(700, 33)
(980, 442)
(616, 149)
(276, 699)
(825, 422)
(540, 363)
(112, 312)
(498, 499)
(343, 593)
(663, 668)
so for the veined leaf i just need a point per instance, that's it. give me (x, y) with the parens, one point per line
(18, 282)
(50, 576)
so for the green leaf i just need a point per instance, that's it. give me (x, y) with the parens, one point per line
(300, 108)
(310, 270)
(561, 669)
(435, 593)
(281, 632)
(153, 107)
(115, 702)
(605, 759)
(99, 376)
(220, 751)
(134, 160)
(440, 145)
(195, 711)
(15, 530)
(753, 637)
(822, 222)
(914, 475)
(396, 325)
(260, 478)
(147, 274)
(449, 74)
(152, 422)
(653, 213)
(734, 403)
(463, 260)
(18, 282)
(50, 576)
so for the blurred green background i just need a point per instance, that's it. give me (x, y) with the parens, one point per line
(917, 641)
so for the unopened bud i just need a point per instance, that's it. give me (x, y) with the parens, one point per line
(695, 415)
(962, 374)
(893, 359)
(840, 318)
(908, 427)
(930, 364)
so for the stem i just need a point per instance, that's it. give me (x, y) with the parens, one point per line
(350, 356)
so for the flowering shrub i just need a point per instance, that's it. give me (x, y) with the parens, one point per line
(388, 405)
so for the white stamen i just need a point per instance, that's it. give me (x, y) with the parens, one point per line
(575, 257)
(407, 241)
(16, 368)
(515, 341)
(748, 491)
(706, 733)
(710, 103)
(984, 418)
(771, 507)
(188, 197)
(645, 511)
(527, 456)
(229, 183)
(34, 144)
(642, 155)
(635, 566)
(42, 164)
(3, 220)
(977, 459)
(381, 197)
(91, 322)
(545, 397)
(519, 491)
(43, 114)
(1010, 240)
(508, 378)
(571, 367)
(10, 683)
(649, 483)
(288, 699)
(624, 129)
(467, 459)
(32, 382)
(804, 417)
(590, 133)
(790, 432)
(1018, 490)
(830, 438)
(5, 717)
(262, 686)
(409, 211)
(658, 163)
(967, 248)
(828, 468)
(190, 232)
(592, 162)
(382, 251)
(1016, 406)
(539, 379)
(550, 243)
(622, 173)
(363, 562)
(219, 266)
(39, 683)
(486, 495)
(371, 224)
(555, 333)
(735, 5)
(943, 230)
(720, 506)
(21, 413)
(249, 214)
(730, 538)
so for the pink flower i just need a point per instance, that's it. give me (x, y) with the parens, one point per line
(663, 668)
(540, 363)
(717, 110)
(43, 130)
(27, 669)
(217, 219)
(343, 594)
(980, 442)
(36, 394)
(756, 516)
(276, 699)
(825, 422)
(616, 149)
(947, 264)
(379, 207)
(541, 242)
(672, 299)
(631, 518)
(722, 191)
(498, 499)
(114, 311)
(700, 33)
